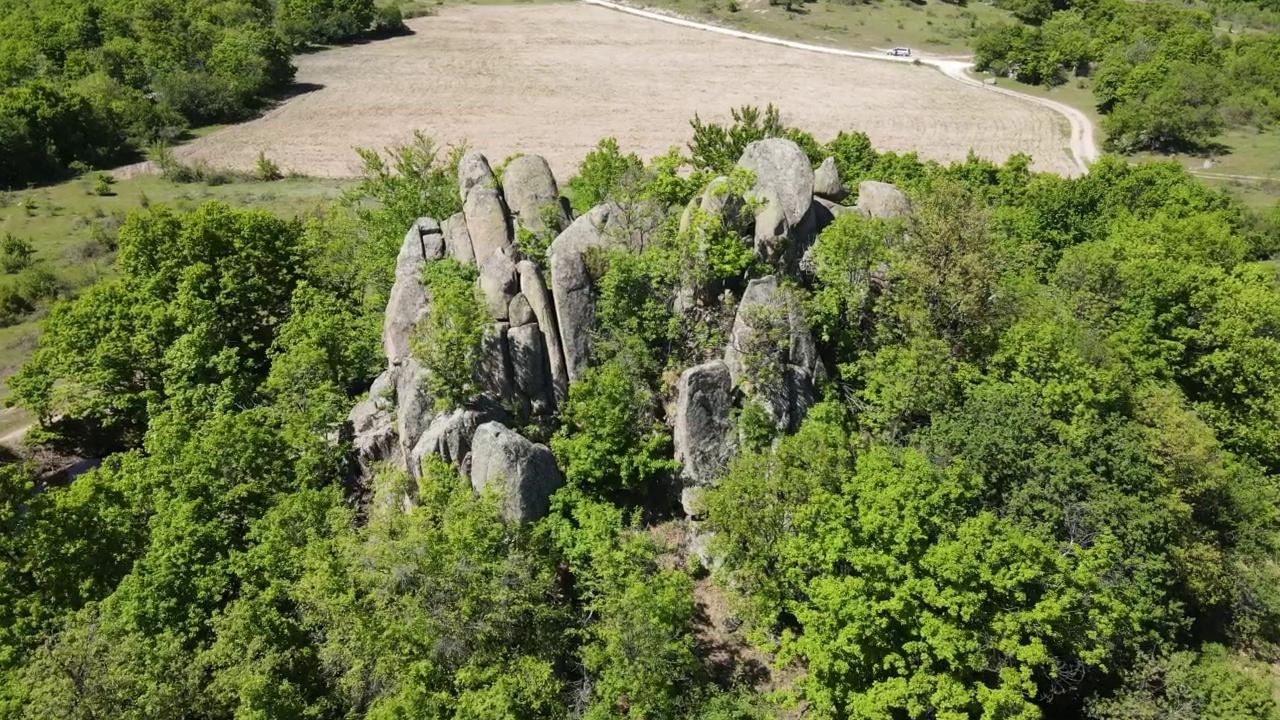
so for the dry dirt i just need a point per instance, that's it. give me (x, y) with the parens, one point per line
(554, 79)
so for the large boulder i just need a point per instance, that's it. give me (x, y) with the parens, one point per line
(373, 424)
(474, 171)
(770, 229)
(494, 373)
(524, 473)
(703, 429)
(827, 184)
(408, 302)
(449, 435)
(486, 217)
(457, 239)
(519, 312)
(882, 200)
(529, 367)
(780, 164)
(535, 292)
(571, 284)
(528, 186)
(498, 282)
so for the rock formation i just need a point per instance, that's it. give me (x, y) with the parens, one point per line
(539, 337)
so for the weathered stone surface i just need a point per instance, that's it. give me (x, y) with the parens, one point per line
(372, 424)
(525, 473)
(414, 405)
(770, 224)
(408, 302)
(703, 428)
(498, 282)
(528, 186)
(450, 434)
(882, 200)
(494, 373)
(474, 171)
(529, 367)
(571, 284)
(486, 222)
(535, 292)
(787, 401)
(519, 312)
(826, 182)
(686, 217)
(429, 236)
(781, 164)
(457, 239)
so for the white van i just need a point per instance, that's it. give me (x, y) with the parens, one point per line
(900, 52)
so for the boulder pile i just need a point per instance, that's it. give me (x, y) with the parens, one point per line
(541, 332)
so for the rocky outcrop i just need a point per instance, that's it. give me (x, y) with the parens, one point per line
(535, 292)
(414, 405)
(771, 355)
(449, 435)
(519, 312)
(780, 164)
(571, 284)
(529, 369)
(770, 227)
(408, 302)
(374, 438)
(529, 187)
(826, 182)
(474, 171)
(498, 282)
(487, 222)
(702, 429)
(457, 239)
(882, 200)
(523, 473)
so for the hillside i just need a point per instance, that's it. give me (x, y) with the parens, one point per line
(770, 427)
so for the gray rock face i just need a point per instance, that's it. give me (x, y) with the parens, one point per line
(373, 426)
(486, 222)
(498, 282)
(781, 164)
(408, 302)
(429, 236)
(529, 186)
(450, 434)
(523, 472)
(535, 292)
(826, 182)
(519, 312)
(703, 428)
(771, 354)
(770, 225)
(457, 239)
(474, 171)
(529, 367)
(882, 200)
(494, 373)
(414, 406)
(571, 285)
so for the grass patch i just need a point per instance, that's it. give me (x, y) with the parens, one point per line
(933, 27)
(72, 232)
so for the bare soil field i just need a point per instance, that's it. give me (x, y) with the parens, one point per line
(555, 79)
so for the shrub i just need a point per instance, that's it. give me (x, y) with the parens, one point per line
(12, 305)
(602, 172)
(266, 170)
(389, 21)
(102, 183)
(450, 341)
(37, 285)
(16, 254)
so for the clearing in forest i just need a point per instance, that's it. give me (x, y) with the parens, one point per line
(555, 79)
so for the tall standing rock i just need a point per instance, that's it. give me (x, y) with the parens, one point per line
(498, 282)
(528, 186)
(781, 164)
(474, 171)
(535, 292)
(770, 229)
(524, 472)
(571, 284)
(703, 429)
(414, 406)
(529, 367)
(408, 301)
(486, 222)
(457, 239)
(449, 435)
(826, 182)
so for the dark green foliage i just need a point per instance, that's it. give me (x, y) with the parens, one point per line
(303, 22)
(16, 254)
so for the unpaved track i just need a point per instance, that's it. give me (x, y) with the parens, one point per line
(555, 79)
(1084, 150)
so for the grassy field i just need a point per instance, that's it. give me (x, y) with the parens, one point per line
(933, 27)
(71, 229)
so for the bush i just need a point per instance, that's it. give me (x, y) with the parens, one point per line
(102, 183)
(389, 21)
(16, 254)
(13, 306)
(602, 172)
(450, 341)
(266, 170)
(38, 285)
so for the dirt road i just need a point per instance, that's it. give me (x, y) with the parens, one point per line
(555, 79)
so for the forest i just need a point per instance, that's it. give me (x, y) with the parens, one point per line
(1166, 77)
(1040, 480)
(84, 84)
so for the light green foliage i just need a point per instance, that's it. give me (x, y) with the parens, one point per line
(602, 174)
(450, 339)
(1209, 685)
(265, 169)
(303, 22)
(610, 443)
(16, 254)
(716, 148)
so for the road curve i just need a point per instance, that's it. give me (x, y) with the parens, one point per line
(1083, 148)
